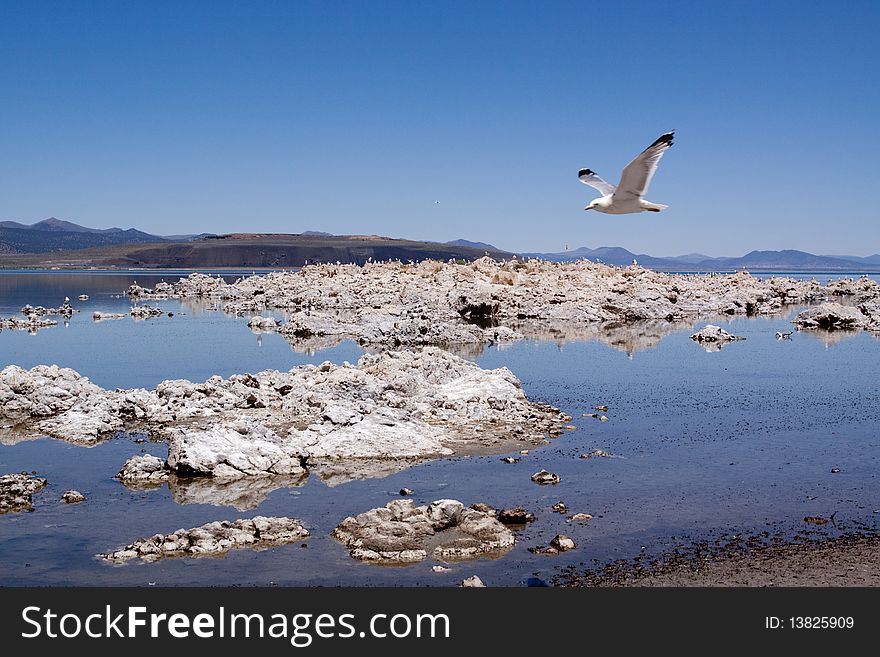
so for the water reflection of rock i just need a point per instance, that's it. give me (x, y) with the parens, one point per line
(830, 338)
(242, 494)
(628, 337)
(341, 471)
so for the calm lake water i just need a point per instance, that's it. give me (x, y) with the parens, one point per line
(704, 444)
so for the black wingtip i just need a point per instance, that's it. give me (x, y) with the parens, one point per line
(585, 172)
(665, 138)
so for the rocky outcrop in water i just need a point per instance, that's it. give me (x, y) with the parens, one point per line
(73, 497)
(340, 421)
(65, 310)
(834, 316)
(32, 324)
(402, 532)
(480, 302)
(712, 338)
(143, 471)
(213, 539)
(16, 491)
(144, 312)
(58, 402)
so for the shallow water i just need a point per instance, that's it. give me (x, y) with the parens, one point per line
(742, 440)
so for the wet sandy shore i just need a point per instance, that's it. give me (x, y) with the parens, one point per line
(852, 560)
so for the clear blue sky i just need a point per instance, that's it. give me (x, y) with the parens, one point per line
(355, 117)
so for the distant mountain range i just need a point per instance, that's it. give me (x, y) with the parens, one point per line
(58, 235)
(787, 260)
(55, 235)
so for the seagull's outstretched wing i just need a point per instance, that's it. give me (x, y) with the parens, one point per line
(590, 178)
(637, 175)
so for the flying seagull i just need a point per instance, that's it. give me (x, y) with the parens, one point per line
(626, 197)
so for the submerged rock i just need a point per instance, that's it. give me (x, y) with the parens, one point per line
(403, 532)
(832, 316)
(212, 539)
(16, 491)
(712, 337)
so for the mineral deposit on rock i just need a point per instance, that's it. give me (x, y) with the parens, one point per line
(212, 539)
(403, 532)
(834, 316)
(16, 491)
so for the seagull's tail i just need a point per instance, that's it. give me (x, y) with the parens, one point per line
(653, 207)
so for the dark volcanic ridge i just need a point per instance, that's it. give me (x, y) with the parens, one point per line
(257, 250)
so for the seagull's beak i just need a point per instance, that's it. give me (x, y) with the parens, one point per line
(588, 208)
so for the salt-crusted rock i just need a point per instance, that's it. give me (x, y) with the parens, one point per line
(212, 539)
(16, 491)
(562, 543)
(712, 337)
(232, 450)
(831, 316)
(99, 316)
(403, 532)
(143, 469)
(57, 402)
(379, 416)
